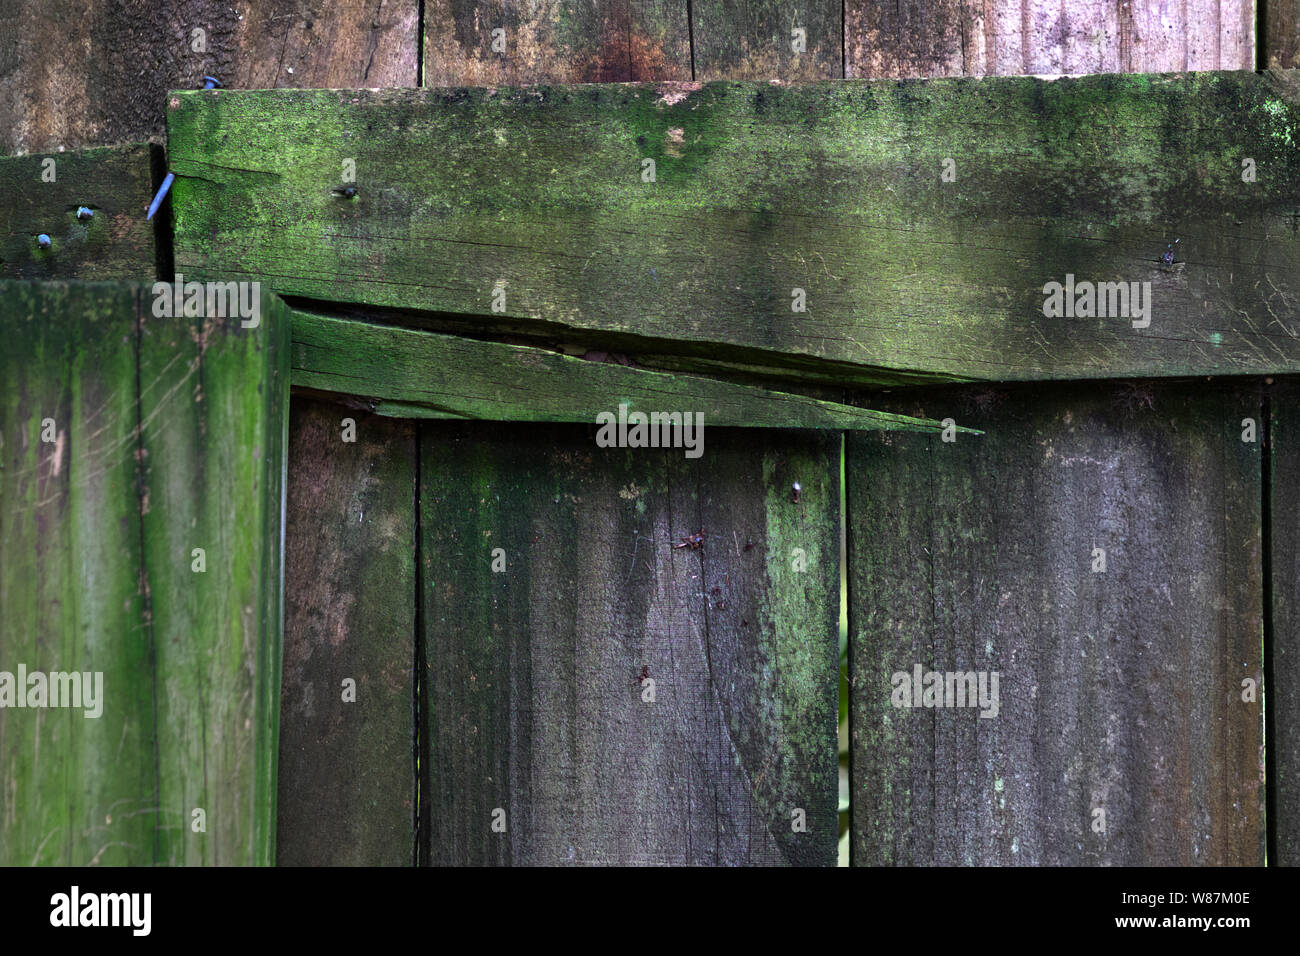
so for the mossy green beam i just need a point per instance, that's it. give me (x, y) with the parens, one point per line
(533, 207)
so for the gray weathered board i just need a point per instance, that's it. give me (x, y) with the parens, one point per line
(1119, 690)
(347, 769)
(532, 696)
(97, 72)
(977, 37)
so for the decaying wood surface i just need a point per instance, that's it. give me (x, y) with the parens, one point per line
(41, 193)
(924, 38)
(96, 72)
(164, 430)
(347, 768)
(555, 41)
(415, 374)
(77, 790)
(535, 700)
(528, 206)
(214, 416)
(1120, 690)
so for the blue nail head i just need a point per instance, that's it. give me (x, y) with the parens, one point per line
(210, 82)
(43, 241)
(85, 212)
(162, 192)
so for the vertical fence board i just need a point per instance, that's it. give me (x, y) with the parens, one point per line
(214, 414)
(754, 40)
(1283, 706)
(922, 38)
(555, 41)
(343, 44)
(116, 243)
(73, 790)
(534, 700)
(1119, 690)
(1282, 34)
(347, 770)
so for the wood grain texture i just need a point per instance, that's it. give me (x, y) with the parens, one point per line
(1281, 38)
(96, 72)
(116, 243)
(534, 705)
(555, 41)
(332, 45)
(74, 790)
(1118, 690)
(925, 38)
(832, 188)
(1283, 706)
(755, 40)
(214, 414)
(415, 374)
(347, 770)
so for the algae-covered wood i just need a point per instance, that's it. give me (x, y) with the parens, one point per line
(41, 194)
(164, 435)
(346, 791)
(1100, 551)
(214, 415)
(76, 783)
(537, 718)
(416, 374)
(530, 206)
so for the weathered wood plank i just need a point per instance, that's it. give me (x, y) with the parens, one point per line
(534, 701)
(757, 39)
(1282, 34)
(555, 41)
(835, 189)
(924, 38)
(74, 789)
(346, 791)
(214, 415)
(42, 193)
(334, 45)
(414, 374)
(1283, 707)
(1120, 690)
(96, 72)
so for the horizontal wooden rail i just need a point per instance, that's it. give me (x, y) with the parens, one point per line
(407, 373)
(536, 206)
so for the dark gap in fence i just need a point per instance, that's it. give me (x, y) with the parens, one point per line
(690, 35)
(162, 223)
(1266, 547)
(422, 778)
(419, 50)
(1261, 64)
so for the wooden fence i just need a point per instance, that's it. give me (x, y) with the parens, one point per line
(497, 586)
